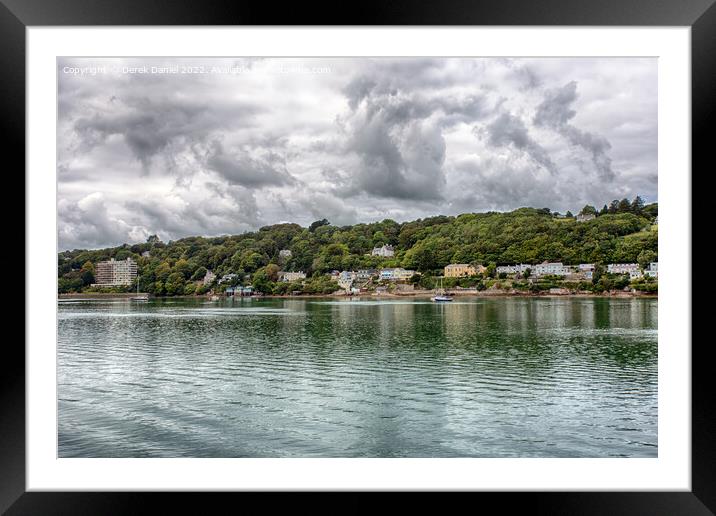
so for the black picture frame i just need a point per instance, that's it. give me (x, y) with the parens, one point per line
(16, 15)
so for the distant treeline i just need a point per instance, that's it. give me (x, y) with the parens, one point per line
(624, 231)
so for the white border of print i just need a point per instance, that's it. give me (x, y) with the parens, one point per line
(670, 471)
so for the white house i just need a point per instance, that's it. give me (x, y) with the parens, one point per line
(291, 276)
(653, 270)
(285, 253)
(513, 269)
(552, 268)
(366, 274)
(345, 283)
(209, 277)
(347, 275)
(584, 267)
(622, 268)
(635, 274)
(584, 217)
(397, 274)
(228, 277)
(386, 274)
(401, 274)
(386, 251)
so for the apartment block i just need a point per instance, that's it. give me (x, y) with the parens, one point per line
(115, 272)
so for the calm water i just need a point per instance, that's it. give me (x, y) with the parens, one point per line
(510, 377)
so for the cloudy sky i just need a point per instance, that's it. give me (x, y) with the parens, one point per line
(242, 143)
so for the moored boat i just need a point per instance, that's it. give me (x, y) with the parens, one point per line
(139, 297)
(441, 299)
(440, 294)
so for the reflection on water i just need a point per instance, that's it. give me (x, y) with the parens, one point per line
(509, 377)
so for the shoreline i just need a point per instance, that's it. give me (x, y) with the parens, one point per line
(418, 294)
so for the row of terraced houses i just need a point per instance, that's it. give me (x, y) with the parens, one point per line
(124, 272)
(581, 271)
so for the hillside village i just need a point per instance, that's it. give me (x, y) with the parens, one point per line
(525, 251)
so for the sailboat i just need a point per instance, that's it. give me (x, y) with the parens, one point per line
(143, 297)
(440, 294)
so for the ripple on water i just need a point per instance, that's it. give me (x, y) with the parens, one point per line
(287, 378)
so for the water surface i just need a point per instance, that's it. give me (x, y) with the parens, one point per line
(507, 377)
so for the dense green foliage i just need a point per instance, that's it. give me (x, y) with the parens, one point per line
(526, 235)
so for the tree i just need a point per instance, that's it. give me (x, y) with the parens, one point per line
(272, 271)
(183, 267)
(320, 284)
(251, 261)
(331, 257)
(588, 210)
(163, 271)
(637, 205)
(604, 210)
(624, 206)
(157, 289)
(597, 273)
(569, 215)
(69, 284)
(122, 254)
(491, 269)
(422, 257)
(199, 274)
(317, 224)
(645, 258)
(87, 273)
(261, 282)
(153, 239)
(651, 210)
(527, 273)
(174, 285)
(379, 239)
(427, 282)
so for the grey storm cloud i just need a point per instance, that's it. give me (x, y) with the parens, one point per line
(530, 78)
(555, 112)
(401, 159)
(396, 105)
(510, 130)
(87, 223)
(373, 138)
(240, 168)
(398, 136)
(149, 126)
(239, 211)
(358, 89)
(449, 110)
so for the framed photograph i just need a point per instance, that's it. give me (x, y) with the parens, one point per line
(413, 251)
